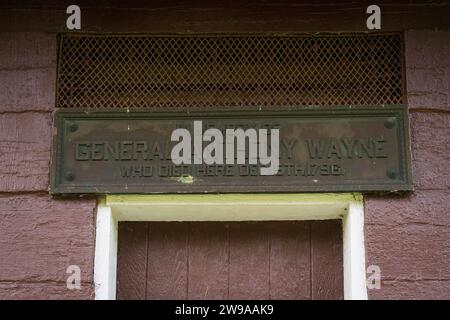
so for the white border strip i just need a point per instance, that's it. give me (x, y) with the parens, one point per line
(229, 207)
(354, 253)
(105, 262)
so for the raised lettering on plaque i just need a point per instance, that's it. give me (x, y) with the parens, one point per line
(309, 150)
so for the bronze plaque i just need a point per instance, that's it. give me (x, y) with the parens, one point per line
(318, 149)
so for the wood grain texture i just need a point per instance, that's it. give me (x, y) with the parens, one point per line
(32, 50)
(132, 260)
(424, 207)
(413, 229)
(327, 267)
(410, 252)
(407, 236)
(24, 151)
(249, 261)
(27, 71)
(167, 260)
(427, 62)
(38, 238)
(45, 291)
(430, 138)
(234, 260)
(290, 264)
(413, 290)
(208, 260)
(218, 16)
(27, 90)
(41, 236)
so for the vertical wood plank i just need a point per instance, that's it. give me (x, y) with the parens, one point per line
(249, 261)
(132, 260)
(327, 260)
(290, 266)
(167, 260)
(208, 260)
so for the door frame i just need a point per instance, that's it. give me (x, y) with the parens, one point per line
(111, 209)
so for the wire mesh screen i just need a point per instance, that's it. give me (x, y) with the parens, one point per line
(124, 71)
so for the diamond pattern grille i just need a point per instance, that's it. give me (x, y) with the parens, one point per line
(126, 71)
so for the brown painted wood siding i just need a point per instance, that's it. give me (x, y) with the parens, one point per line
(230, 260)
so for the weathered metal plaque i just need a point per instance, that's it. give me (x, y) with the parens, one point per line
(318, 149)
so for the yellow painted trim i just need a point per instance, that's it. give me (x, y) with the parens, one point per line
(227, 198)
(230, 207)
